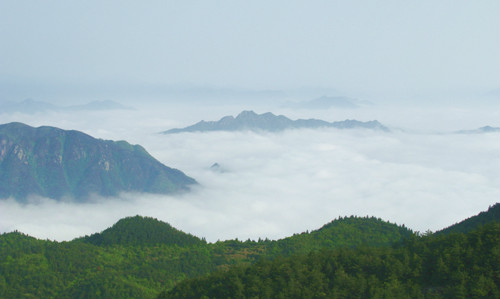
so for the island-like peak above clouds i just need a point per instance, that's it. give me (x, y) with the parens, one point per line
(56, 163)
(485, 129)
(249, 120)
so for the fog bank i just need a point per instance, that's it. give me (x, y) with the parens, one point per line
(276, 184)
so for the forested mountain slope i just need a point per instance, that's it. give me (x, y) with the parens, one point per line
(56, 163)
(139, 257)
(141, 231)
(471, 223)
(446, 266)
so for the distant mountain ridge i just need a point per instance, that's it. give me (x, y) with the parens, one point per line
(31, 106)
(56, 163)
(249, 120)
(482, 130)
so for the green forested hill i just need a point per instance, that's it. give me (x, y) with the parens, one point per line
(119, 267)
(138, 257)
(344, 232)
(141, 257)
(471, 223)
(452, 266)
(141, 231)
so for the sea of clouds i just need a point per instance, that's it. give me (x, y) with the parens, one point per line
(271, 185)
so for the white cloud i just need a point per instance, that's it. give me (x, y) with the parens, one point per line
(274, 184)
(279, 184)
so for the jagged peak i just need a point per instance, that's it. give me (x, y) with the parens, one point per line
(246, 114)
(249, 120)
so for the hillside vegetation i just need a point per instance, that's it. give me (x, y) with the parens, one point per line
(142, 257)
(444, 266)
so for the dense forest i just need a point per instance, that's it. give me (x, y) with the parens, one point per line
(445, 266)
(141, 257)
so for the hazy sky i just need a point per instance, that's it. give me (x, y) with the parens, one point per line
(426, 66)
(65, 49)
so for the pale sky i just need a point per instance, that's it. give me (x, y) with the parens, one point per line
(228, 55)
(53, 49)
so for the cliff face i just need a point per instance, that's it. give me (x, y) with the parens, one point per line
(55, 163)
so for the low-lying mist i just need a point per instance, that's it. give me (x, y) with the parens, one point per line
(271, 185)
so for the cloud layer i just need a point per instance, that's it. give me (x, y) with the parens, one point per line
(274, 185)
(192, 60)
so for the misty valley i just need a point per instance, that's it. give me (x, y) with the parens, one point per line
(249, 149)
(142, 257)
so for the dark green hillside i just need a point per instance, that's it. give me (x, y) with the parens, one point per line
(55, 163)
(11, 242)
(140, 231)
(139, 257)
(344, 232)
(135, 258)
(469, 224)
(349, 232)
(455, 266)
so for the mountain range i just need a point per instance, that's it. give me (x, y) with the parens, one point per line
(56, 163)
(350, 257)
(249, 120)
(481, 130)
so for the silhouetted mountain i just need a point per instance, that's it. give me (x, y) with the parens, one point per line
(485, 129)
(216, 167)
(141, 231)
(28, 106)
(469, 224)
(55, 163)
(249, 120)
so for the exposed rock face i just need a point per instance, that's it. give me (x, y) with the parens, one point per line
(55, 163)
